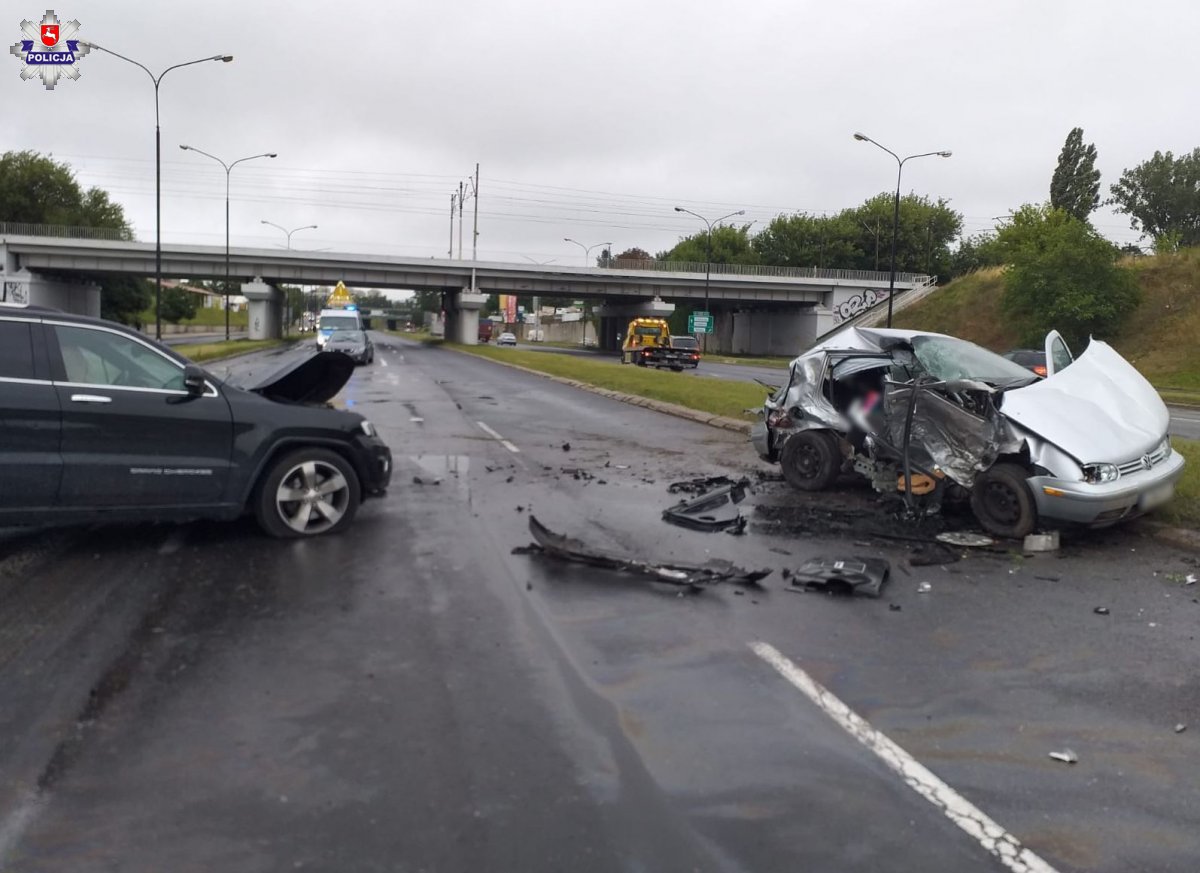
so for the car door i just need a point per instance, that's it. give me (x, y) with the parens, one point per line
(131, 434)
(1058, 355)
(30, 421)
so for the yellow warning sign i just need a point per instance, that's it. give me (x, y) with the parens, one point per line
(340, 298)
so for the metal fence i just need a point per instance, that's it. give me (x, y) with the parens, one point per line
(20, 228)
(756, 270)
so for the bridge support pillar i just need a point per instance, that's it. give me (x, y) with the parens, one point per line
(462, 317)
(765, 331)
(265, 305)
(34, 289)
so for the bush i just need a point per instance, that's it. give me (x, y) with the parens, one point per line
(1063, 275)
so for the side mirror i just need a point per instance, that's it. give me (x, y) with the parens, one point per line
(193, 380)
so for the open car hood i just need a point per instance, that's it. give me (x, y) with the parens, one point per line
(1099, 409)
(315, 379)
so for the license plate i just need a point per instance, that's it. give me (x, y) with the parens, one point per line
(1157, 496)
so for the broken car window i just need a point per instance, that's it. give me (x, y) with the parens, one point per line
(945, 358)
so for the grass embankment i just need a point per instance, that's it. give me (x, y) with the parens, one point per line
(205, 318)
(199, 352)
(716, 396)
(1159, 337)
(1184, 510)
(417, 336)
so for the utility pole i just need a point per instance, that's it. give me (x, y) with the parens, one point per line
(475, 231)
(450, 254)
(460, 220)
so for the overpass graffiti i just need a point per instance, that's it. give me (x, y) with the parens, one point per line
(860, 302)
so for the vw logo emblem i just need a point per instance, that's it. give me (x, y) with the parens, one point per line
(1146, 462)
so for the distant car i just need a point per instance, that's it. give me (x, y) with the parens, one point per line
(690, 348)
(142, 434)
(355, 343)
(507, 339)
(1030, 359)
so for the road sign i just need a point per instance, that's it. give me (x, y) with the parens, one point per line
(700, 322)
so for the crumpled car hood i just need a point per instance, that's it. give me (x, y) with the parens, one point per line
(316, 379)
(1099, 409)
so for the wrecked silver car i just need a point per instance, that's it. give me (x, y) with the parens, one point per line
(936, 418)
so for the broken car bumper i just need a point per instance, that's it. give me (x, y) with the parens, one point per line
(1109, 502)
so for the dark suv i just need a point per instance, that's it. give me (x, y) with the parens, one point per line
(97, 422)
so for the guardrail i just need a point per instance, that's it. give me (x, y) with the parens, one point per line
(759, 270)
(20, 228)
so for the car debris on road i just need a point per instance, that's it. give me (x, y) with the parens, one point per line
(843, 576)
(690, 576)
(1066, 756)
(711, 510)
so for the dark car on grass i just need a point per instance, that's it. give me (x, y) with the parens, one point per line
(100, 423)
(689, 348)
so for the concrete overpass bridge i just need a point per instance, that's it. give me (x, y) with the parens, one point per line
(757, 310)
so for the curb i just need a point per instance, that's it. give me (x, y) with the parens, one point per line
(721, 421)
(240, 354)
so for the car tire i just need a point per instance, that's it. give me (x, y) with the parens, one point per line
(1002, 501)
(810, 460)
(300, 473)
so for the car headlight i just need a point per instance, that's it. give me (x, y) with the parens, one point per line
(1164, 448)
(1098, 473)
(367, 428)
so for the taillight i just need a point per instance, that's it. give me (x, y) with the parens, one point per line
(695, 357)
(1040, 370)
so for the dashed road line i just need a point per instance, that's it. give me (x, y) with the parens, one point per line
(995, 840)
(508, 445)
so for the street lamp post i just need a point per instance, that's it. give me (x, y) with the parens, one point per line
(289, 232)
(708, 255)
(862, 137)
(158, 171)
(228, 170)
(587, 260)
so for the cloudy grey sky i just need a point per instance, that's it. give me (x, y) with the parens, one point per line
(592, 121)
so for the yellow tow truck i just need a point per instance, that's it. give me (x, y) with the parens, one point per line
(647, 343)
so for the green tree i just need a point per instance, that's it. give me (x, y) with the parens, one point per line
(125, 298)
(634, 254)
(804, 240)
(1063, 275)
(923, 237)
(178, 305)
(1161, 196)
(976, 252)
(1075, 185)
(730, 245)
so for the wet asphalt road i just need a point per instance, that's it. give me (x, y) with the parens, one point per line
(1185, 421)
(412, 696)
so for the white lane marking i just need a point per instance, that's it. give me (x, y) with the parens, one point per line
(498, 438)
(995, 839)
(383, 361)
(13, 827)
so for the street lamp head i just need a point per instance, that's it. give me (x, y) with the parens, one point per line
(274, 155)
(740, 212)
(185, 147)
(945, 154)
(861, 137)
(223, 58)
(679, 209)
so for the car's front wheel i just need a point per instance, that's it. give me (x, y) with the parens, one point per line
(810, 460)
(306, 493)
(1002, 501)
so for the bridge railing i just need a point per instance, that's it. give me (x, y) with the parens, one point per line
(758, 270)
(21, 228)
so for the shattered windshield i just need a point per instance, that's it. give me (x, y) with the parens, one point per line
(947, 358)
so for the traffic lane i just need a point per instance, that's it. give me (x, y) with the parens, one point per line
(532, 479)
(376, 698)
(1046, 681)
(1185, 422)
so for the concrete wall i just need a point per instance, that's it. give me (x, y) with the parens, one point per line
(23, 286)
